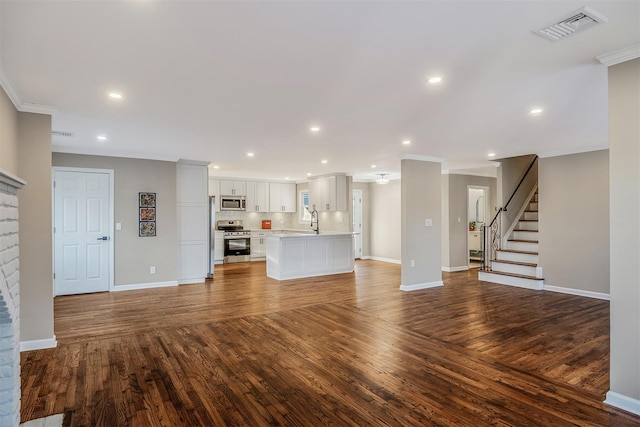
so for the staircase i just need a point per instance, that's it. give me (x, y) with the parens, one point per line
(517, 264)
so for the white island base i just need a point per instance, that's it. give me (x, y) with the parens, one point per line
(291, 256)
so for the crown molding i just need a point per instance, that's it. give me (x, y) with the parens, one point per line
(23, 107)
(422, 158)
(572, 151)
(38, 108)
(621, 55)
(8, 89)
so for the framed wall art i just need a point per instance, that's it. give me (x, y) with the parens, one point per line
(147, 214)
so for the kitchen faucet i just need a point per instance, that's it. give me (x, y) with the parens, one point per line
(313, 213)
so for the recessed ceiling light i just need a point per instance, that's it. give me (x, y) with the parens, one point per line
(491, 154)
(406, 142)
(250, 154)
(536, 111)
(373, 166)
(314, 129)
(286, 178)
(115, 95)
(101, 137)
(308, 173)
(324, 162)
(435, 79)
(216, 167)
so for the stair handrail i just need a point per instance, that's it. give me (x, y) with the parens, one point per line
(521, 181)
(495, 226)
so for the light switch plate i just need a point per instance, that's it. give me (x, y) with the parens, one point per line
(428, 222)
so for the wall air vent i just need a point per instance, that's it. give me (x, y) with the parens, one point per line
(62, 133)
(570, 24)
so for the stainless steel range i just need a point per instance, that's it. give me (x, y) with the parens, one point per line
(237, 241)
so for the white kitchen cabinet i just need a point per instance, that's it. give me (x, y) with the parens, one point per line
(259, 245)
(257, 196)
(329, 193)
(282, 197)
(218, 248)
(233, 188)
(214, 190)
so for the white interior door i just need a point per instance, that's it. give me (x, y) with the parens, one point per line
(357, 223)
(82, 240)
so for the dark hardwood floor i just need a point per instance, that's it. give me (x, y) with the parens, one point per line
(343, 350)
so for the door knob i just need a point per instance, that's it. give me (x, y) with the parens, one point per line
(103, 238)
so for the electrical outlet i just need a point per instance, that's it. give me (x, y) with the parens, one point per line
(152, 270)
(413, 263)
(118, 226)
(428, 222)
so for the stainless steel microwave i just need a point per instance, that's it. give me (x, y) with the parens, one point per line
(233, 203)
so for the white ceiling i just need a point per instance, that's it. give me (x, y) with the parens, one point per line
(212, 81)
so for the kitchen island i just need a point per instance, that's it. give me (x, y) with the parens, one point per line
(295, 255)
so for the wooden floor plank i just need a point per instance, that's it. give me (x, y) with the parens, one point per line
(347, 350)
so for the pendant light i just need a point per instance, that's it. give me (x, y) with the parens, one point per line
(382, 179)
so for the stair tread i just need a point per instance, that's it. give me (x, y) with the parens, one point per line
(528, 220)
(523, 240)
(517, 251)
(527, 264)
(522, 229)
(521, 276)
(531, 211)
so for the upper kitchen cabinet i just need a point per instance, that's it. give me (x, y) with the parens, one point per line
(233, 188)
(257, 196)
(329, 193)
(282, 197)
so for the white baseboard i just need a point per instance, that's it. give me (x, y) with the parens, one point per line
(38, 344)
(419, 286)
(377, 258)
(452, 269)
(192, 281)
(578, 292)
(623, 402)
(144, 286)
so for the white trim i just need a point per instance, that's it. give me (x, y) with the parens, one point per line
(377, 258)
(461, 172)
(149, 285)
(38, 344)
(11, 180)
(422, 158)
(419, 286)
(193, 162)
(112, 187)
(604, 146)
(621, 55)
(8, 88)
(452, 269)
(623, 402)
(579, 292)
(38, 109)
(193, 281)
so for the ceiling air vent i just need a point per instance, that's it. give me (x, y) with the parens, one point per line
(571, 24)
(62, 133)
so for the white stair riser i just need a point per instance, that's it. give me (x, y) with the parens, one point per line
(528, 225)
(522, 246)
(531, 215)
(533, 206)
(511, 281)
(512, 256)
(525, 235)
(513, 268)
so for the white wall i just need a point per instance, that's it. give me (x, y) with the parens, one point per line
(385, 221)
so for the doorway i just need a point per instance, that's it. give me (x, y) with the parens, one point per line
(477, 213)
(82, 230)
(357, 223)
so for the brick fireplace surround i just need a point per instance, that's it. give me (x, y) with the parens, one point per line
(9, 301)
